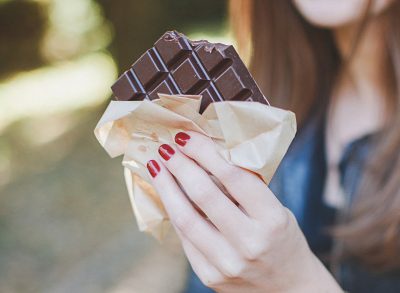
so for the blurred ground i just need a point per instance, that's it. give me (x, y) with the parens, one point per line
(66, 223)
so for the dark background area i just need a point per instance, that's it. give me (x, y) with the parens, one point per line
(66, 223)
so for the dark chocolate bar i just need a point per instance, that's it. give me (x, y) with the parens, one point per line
(176, 65)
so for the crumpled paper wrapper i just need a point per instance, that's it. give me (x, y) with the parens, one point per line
(250, 135)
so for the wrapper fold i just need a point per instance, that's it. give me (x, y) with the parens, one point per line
(250, 135)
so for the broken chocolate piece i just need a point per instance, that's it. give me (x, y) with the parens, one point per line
(176, 65)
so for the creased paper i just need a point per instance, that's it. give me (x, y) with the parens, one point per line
(250, 135)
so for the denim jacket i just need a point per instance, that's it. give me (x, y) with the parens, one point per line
(299, 183)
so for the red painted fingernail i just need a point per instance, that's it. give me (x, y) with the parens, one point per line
(166, 151)
(181, 138)
(153, 168)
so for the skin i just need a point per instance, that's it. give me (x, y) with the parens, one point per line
(361, 91)
(258, 246)
(335, 14)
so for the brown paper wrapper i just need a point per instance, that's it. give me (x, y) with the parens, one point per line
(250, 135)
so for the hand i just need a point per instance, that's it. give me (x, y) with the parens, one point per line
(253, 245)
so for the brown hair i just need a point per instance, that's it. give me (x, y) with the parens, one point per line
(296, 65)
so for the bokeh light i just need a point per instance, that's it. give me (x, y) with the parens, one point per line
(66, 224)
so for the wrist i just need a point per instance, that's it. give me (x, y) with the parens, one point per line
(318, 279)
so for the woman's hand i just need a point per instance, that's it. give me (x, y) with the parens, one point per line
(254, 245)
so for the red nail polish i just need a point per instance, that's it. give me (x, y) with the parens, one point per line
(166, 151)
(153, 168)
(181, 138)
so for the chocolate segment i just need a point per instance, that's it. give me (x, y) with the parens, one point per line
(176, 65)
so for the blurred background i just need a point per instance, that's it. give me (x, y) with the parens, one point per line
(66, 223)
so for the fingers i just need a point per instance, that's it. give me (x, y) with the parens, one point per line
(189, 223)
(206, 272)
(246, 187)
(200, 188)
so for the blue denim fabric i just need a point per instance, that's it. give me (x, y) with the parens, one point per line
(353, 276)
(299, 183)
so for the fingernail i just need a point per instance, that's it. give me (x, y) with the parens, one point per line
(166, 151)
(153, 168)
(181, 138)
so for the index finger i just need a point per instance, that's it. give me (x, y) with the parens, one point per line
(244, 186)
